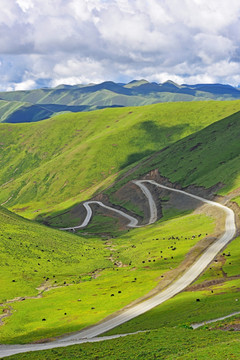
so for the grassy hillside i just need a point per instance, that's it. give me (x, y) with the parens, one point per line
(26, 249)
(107, 94)
(51, 165)
(7, 107)
(171, 321)
(206, 158)
(54, 283)
(73, 282)
(215, 300)
(22, 112)
(217, 291)
(167, 344)
(136, 92)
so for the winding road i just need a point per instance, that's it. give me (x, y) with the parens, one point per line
(180, 284)
(133, 221)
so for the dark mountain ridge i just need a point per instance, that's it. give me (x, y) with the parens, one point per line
(39, 104)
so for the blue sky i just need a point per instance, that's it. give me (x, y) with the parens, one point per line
(51, 42)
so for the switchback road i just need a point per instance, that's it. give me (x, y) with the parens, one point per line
(180, 284)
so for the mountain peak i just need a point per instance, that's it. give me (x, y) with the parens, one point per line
(135, 83)
(171, 83)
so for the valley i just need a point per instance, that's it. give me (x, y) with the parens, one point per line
(55, 173)
(119, 180)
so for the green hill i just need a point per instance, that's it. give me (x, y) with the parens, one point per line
(21, 112)
(167, 344)
(17, 112)
(51, 165)
(69, 280)
(53, 282)
(78, 94)
(25, 244)
(40, 102)
(208, 157)
(8, 107)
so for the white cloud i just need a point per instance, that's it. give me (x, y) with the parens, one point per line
(214, 47)
(25, 4)
(25, 85)
(85, 71)
(94, 40)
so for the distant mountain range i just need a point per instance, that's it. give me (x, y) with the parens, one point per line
(40, 104)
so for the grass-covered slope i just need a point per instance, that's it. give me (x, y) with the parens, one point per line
(53, 282)
(30, 253)
(136, 92)
(167, 344)
(22, 112)
(206, 158)
(83, 295)
(213, 295)
(66, 159)
(8, 107)
(73, 282)
(108, 94)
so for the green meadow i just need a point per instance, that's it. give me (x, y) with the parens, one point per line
(183, 310)
(54, 282)
(217, 299)
(49, 166)
(164, 343)
(72, 282)
(226, 266)
(209, 157)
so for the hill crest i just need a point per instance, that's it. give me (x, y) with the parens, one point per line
(39, 104)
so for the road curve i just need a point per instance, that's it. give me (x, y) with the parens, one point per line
(186, 279)
(133, 221)
(180, 284)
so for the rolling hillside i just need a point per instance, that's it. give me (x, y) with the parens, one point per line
(209, 157)
(51, 165)
(42, 103)
(49, 277)
(19, 112)
(160, 344)
(56, 276)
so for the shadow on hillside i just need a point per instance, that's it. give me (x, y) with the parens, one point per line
(208, 158)
(34, 113)
(152, 134)
(38, 112)
(135, 157)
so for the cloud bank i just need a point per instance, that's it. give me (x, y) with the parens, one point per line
(51, 42)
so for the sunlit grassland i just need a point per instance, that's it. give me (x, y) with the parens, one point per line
(183, 309)
(66, 159)
(206, 158)
(216, 300)
(232, 264)
(93, 277)
(30, 253)
(164, 343)
(237, 200)
(227, 265)
(52, 166)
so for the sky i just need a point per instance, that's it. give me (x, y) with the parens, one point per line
(51, 42)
